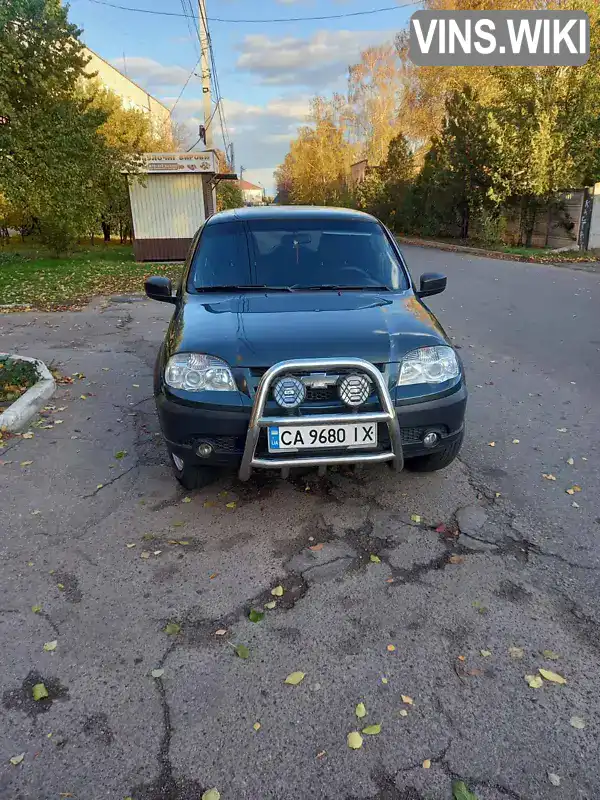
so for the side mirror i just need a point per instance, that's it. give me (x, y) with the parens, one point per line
(159, 288)
(431, 283)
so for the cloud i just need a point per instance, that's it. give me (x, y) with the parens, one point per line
(151, 73)
(315, 61)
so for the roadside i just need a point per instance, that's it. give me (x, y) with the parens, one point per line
(31, 279)
(588, 261)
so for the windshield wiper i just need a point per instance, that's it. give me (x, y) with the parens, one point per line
(340, 287)
(250, 287)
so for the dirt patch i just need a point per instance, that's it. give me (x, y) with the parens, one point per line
(21, 698)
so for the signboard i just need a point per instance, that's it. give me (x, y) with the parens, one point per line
(153, 163)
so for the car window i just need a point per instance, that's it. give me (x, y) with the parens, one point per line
(299, 253)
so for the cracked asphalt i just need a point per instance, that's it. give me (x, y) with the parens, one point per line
(112, 551)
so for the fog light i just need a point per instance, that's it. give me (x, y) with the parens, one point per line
(431, 439)
(204, 450)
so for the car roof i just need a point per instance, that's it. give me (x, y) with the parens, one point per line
(290, 212)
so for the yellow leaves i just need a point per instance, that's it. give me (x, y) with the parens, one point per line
(26, 463)
(516, 652)
(486, 653)
(574, 489)
(548, 476)
(427, 763)
(491, 444)
(534, 681)
(221, 632)
(233, 504)
(403, 712)
(554, 677)
(16, 760)
(516, 441)
(157, 673)
(354, 740)
(271, 605)
(456, 559)
(360, 710)
(372, 730)
(406, 699)
(187, 500)
(415, 518)
(278, 591)
(391, 648)
(550, 654)
(294, 678)
(256, 726)
(39, 692)
(50, 646)
(577, 722)
(211, 794)
(570, 461)
(129, 546)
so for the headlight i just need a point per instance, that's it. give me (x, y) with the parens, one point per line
(429, 365)
(197, 373)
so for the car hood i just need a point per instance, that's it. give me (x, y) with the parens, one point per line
(258, 330)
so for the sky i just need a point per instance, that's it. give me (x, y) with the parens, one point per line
(267, 71)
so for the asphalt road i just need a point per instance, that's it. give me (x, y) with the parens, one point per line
(523, 574)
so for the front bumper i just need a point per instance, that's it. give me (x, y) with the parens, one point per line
(186, 426)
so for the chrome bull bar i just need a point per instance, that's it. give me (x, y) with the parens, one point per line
(258, 420)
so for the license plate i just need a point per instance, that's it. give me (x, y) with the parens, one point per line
(305, 437)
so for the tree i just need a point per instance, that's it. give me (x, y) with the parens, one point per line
(229, 195)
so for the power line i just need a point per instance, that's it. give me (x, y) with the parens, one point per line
(260, 21)
(183, 88)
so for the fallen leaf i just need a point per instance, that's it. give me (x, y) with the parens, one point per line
(135, 385)
(208, 503)
(221, 632)
(406, 699)
(570, 491)
(144, 554)
(372, 730)
(50, 646)
(461, 658)
(554, 779)
(554, 677)
(172, 628)
(39, 691)
(548, 476)
(99, 486)
(389, 580)
(270, 605)
(391, 648)
(120, 454)
(82, 397)
(256, 726)
(516, 652)
(277, 591)
(491, 444)
(415, 517)
(577, 722)
(516, 441)
(242, 651)
(294, 678)
(178, 524)
(375, 559)
(157, 673)
(561, 430)
(316, 547)
(355, 740)
(255, 616)
(427, 763)
(16, 760)
(534, 681)
(26, 463)
(486, 653)
(577, 488)
(61, 586)
(360, 710)
(27, 436)
(321, 754)
(550, 654)
(36, 609)
(497, 494)
(129, 546)
(212, 576)
(222, 494)
(231, 505)
(454, 559)
(575, 505)
(461, 792)
(157, 552)
(187, 500)
(403, 712)
(570, 462)
(211, 794)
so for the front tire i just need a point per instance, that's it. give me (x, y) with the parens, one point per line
(435, 461)
(192, 476)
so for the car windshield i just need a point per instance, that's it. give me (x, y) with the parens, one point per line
(297, 254)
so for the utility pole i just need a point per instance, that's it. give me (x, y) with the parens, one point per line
(205, 71)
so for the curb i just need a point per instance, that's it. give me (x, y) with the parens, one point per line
(19, 413)
(585, 266)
